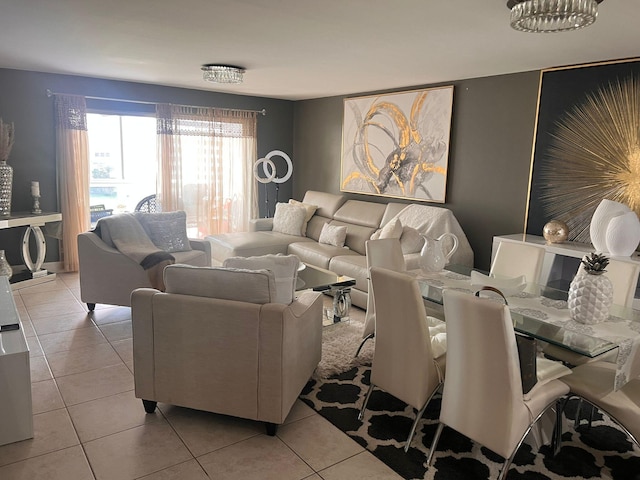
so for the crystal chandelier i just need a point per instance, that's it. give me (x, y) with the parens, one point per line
(545, 16)
(222, 73)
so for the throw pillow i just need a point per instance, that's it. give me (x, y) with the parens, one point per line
(411, 241)
(167, 230)
(289, 219)
(392, 229)
(333, 235)
(310, 209)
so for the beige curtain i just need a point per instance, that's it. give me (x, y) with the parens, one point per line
(205, 160)
(72, 158)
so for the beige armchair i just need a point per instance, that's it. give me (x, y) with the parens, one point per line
(108, 276)
(215, 342)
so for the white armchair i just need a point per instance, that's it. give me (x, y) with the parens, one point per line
(215, 342)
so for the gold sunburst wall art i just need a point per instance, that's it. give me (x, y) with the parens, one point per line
(587, 146)
(397, 144)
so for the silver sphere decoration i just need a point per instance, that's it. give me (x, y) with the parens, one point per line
(555, 231)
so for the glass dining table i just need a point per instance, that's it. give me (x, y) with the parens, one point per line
(541, 312)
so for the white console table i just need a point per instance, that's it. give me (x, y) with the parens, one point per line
(33, 221)
(16, 416)
(561, 260)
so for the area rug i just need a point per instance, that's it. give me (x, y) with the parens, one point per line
(337, 391)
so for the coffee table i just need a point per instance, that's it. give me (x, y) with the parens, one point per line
(321, 280)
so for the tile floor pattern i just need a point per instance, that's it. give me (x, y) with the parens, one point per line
(89, 425)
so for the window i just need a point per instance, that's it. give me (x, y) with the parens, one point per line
(122, 160)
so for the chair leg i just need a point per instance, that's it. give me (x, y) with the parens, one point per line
(91, 306)
(272, 428)
(368, 337)
(434, 444)
(576, 421)
(366, 400)
(149, 406)
(418, 417)
(556, 437)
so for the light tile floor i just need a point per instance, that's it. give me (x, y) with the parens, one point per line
(89, 425)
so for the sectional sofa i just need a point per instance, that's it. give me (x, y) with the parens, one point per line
(362, 219)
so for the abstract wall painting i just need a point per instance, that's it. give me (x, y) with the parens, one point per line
(397, 144)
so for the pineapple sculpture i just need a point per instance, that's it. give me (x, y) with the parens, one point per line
(591, 292)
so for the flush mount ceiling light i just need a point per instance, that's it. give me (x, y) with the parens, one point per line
(222, 73)
(546, 16)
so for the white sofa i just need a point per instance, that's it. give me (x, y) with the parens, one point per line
(362, 219)
(216, 341)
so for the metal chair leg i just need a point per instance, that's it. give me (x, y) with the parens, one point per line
(434, 444)
(556, 437)
(366, 400)
(368, 337)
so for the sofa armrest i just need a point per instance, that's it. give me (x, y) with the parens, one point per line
(290, 350)
(142, 325)
(202, 245)
(261, 224)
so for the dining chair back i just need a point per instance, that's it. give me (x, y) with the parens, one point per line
(624, 277)
(483, 397)
(385, 253)
(515, 259)
(403, 363)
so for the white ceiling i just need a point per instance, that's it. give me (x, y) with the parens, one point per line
(298, 49)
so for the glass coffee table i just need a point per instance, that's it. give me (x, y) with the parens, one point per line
(321, 280)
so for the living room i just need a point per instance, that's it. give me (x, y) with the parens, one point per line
(493, 122)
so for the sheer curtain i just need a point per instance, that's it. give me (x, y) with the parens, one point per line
(72, 158)
(206, 158)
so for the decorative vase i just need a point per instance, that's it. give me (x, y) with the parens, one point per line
(606, 210)
(623, 234)
(5, 268)
(590, 297)
(6, 182)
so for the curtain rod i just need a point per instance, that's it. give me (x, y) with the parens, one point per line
(51, 94)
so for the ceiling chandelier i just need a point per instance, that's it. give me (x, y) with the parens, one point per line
(545, 16)
(222, 73)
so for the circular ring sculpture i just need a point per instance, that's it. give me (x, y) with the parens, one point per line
(269, 168)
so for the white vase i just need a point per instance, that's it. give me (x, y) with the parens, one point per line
(606, 210)
(590, 297)
(623, 234)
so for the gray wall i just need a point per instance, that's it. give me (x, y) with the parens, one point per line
(489, 160)
(23, 101)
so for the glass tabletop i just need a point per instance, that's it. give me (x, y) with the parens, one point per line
(320, 279)
(527, 319)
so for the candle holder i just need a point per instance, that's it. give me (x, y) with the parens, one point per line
(36, 204)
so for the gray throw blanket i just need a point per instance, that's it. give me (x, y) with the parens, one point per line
(131, 240)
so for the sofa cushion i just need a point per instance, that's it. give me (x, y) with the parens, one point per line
(194, 257)
(393, 209)
(251, 286)
(289, 219)
(393, 229)
(358, 212)
(314, 227)
(411, 241)
(357, 235)
(318, 254)
(247, 244)
(354, 266)
(333, 235)
(284, 268)
(328, 203)
(310, 211)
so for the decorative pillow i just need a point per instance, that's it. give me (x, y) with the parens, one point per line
(411, 241)
(333, 235)
(289, 219)
(167, 230)
(392, 229)
(284, 268)
(311, 209)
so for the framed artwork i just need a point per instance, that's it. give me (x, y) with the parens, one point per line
(397, 144)
(587, 144)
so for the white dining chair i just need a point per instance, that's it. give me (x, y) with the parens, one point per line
(516, 259)
(385, 253)
(403, 362)
(483, 396)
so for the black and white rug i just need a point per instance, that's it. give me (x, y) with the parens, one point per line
(602, 451)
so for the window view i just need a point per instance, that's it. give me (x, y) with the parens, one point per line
(122, 156)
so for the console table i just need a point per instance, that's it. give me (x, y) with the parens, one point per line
(561, 260)
(16, 416)
(33, 222)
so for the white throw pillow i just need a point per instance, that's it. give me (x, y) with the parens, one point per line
(333, 235)
(392, 229)
(310, 209)
(283, 267)
(411, 241)
(289, 219)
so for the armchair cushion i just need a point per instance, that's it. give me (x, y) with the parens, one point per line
(283, 267)
(167, 230)
(251, 286)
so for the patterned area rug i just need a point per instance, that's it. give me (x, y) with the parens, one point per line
(602, 451)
